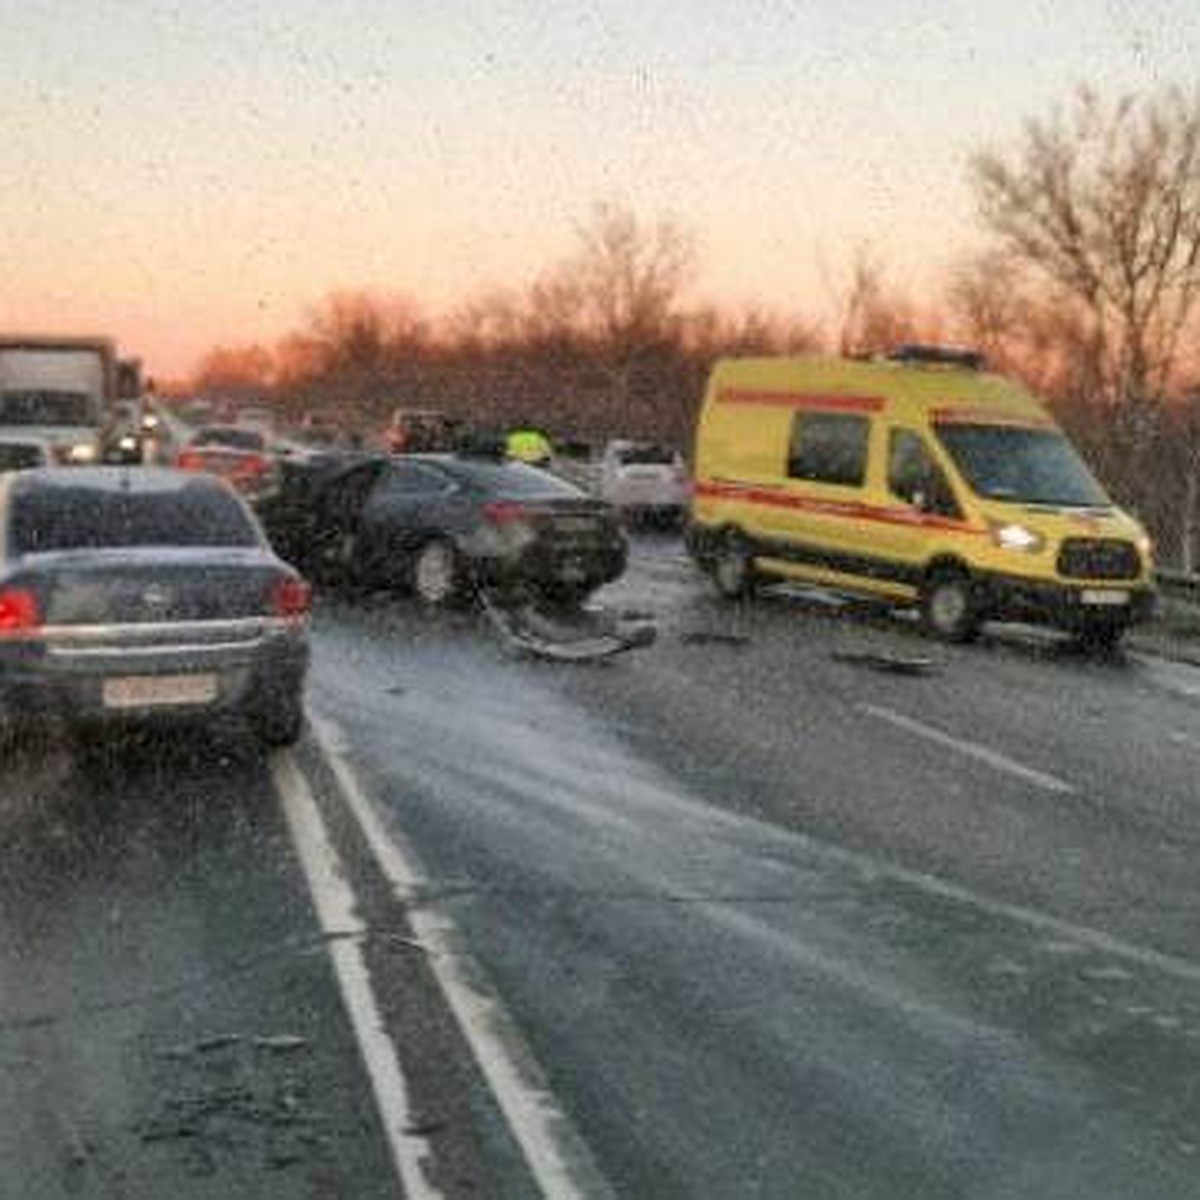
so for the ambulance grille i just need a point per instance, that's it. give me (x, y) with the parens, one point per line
(1098, 558)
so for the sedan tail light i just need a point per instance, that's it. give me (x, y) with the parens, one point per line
(189, 460)
(504, 512)
(253, 465)
(19, 610)
(291, 598)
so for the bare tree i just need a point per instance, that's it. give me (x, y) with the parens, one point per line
(236, 372)
(620, 292)
(873, 316)
(629, 276)
(1187, 416)
(1103, 202)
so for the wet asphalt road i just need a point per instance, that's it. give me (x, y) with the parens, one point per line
(772, 922)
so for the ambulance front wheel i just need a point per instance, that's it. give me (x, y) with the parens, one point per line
(949, 608)
(733, 568)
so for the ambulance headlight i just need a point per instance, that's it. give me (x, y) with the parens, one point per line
(1016, 537)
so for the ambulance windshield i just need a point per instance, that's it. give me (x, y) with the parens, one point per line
(1029, 466)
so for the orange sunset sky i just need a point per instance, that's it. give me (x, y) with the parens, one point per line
(182, 174)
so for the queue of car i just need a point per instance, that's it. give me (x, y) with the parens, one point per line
(240, 454)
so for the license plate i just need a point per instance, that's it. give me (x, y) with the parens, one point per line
(1110, 597)
(576, 524)
(157, 691)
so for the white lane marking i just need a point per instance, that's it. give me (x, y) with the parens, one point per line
(337, 913)
(1181, 678)
(557, 1157)
(980, 753)
(1087, 936)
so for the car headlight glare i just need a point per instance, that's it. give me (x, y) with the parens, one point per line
(1016, 537)
(82, 452)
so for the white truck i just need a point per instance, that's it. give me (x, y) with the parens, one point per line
(60, 390)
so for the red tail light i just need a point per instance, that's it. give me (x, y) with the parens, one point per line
(291, 598)
(19, 610)
(504, 512)
(253, 465)
(189, 460)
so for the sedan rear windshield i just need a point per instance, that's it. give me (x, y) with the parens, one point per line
(77, 518)
(1028, 466)
(234, 439)
(510, 479)
(648, 456)
(17, 457)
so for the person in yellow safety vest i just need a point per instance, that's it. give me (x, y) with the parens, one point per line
(528, 445)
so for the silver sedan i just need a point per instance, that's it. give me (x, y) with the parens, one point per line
(131, 594)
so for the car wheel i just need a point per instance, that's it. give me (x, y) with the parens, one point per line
(565, 596)
(280, 722)
(949, 607)
(733, 567)
(1101, 637)
(437, 574)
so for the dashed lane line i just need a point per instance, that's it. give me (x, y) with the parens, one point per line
(974, 750)
(337, 909)
(558, 1159)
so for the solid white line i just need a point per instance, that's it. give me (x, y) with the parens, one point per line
(337, 913)
(1094, 939)
(983, 754)
(557, 1157)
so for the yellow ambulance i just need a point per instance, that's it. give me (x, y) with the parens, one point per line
(918, 479)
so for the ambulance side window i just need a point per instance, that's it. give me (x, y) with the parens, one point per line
(829, 448)
(915, 477)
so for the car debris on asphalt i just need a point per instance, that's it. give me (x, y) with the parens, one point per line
(571, 634)
(892, 664)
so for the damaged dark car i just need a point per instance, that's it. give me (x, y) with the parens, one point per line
(444, 525)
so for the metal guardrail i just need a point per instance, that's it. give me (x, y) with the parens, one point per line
(1179, 586)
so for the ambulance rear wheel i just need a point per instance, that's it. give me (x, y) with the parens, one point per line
(949, 610)
(733, 568)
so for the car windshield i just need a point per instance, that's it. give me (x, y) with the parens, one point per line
(231, 438)
(1022, 465)
(637, 456)
(63, 517)
(15, 456)
(46, 407)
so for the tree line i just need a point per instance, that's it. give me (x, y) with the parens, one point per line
(1084, 284)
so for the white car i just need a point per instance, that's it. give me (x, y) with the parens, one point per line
(24, 453)
(644, 480)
